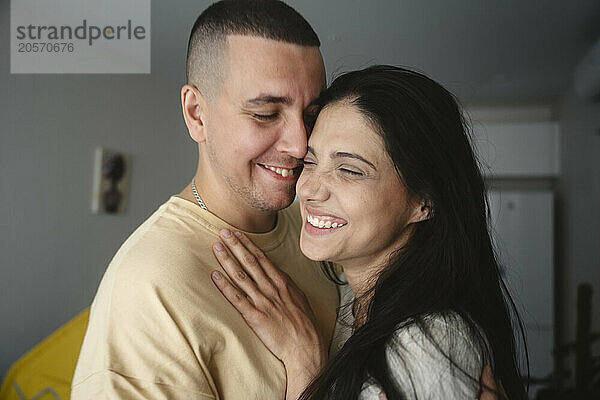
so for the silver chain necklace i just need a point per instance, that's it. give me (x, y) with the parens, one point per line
(197, 196)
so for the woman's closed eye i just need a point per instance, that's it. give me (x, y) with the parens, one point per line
(351, 171)
(265, 117)
(347, 170)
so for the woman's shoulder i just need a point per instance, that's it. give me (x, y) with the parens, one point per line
(437, 354)
(442, 335)
(440, 326)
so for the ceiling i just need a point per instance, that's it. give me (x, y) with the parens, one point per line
(487, 52)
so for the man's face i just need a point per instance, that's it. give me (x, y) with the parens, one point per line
(255, 132)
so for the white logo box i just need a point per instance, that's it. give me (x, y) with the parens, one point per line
(80, 36)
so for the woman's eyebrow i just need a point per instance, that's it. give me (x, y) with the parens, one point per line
(343, 154)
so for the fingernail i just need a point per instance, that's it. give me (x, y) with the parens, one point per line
(217, 275)
(238, 234)
(219, 246)
(226, 233)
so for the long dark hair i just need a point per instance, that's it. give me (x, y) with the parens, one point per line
(448, 264)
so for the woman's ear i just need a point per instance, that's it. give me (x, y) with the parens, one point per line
(194, 107)
(422, 211)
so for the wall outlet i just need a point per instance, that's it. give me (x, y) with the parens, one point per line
(111, 181)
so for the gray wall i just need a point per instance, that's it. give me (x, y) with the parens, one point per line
(53, 250)
(579, 211)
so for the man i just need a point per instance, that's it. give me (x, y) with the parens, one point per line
(158, 326)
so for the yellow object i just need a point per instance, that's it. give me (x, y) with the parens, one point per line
(45, 372)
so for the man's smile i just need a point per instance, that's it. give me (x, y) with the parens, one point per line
(289, 172)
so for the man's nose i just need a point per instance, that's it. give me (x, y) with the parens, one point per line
(293, 139)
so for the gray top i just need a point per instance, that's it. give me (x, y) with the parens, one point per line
(419, 366)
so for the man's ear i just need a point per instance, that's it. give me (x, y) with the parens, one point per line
(194, 107)
(422, 211)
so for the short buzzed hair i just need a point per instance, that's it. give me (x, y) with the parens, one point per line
(270, 19)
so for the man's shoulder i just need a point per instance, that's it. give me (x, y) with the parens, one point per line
(161, 273)
(167, 226)
(169, 245)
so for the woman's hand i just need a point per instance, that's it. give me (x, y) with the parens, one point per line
(273, 306)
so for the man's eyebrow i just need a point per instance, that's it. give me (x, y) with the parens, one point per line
(267, 99)
(343, 154)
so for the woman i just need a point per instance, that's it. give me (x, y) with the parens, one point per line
(392, 193)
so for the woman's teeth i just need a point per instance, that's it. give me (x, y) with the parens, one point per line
(281, 171)
(314, 221)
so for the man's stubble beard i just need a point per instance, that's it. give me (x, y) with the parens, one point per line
(250, 195)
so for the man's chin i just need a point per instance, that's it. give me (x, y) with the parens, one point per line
(276, 202)
(281, 204)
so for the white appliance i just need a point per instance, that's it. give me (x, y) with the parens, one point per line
(523, 230)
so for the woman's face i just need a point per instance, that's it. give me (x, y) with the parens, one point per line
(354, 205)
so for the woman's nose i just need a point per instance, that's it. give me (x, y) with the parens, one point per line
(312, 185)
